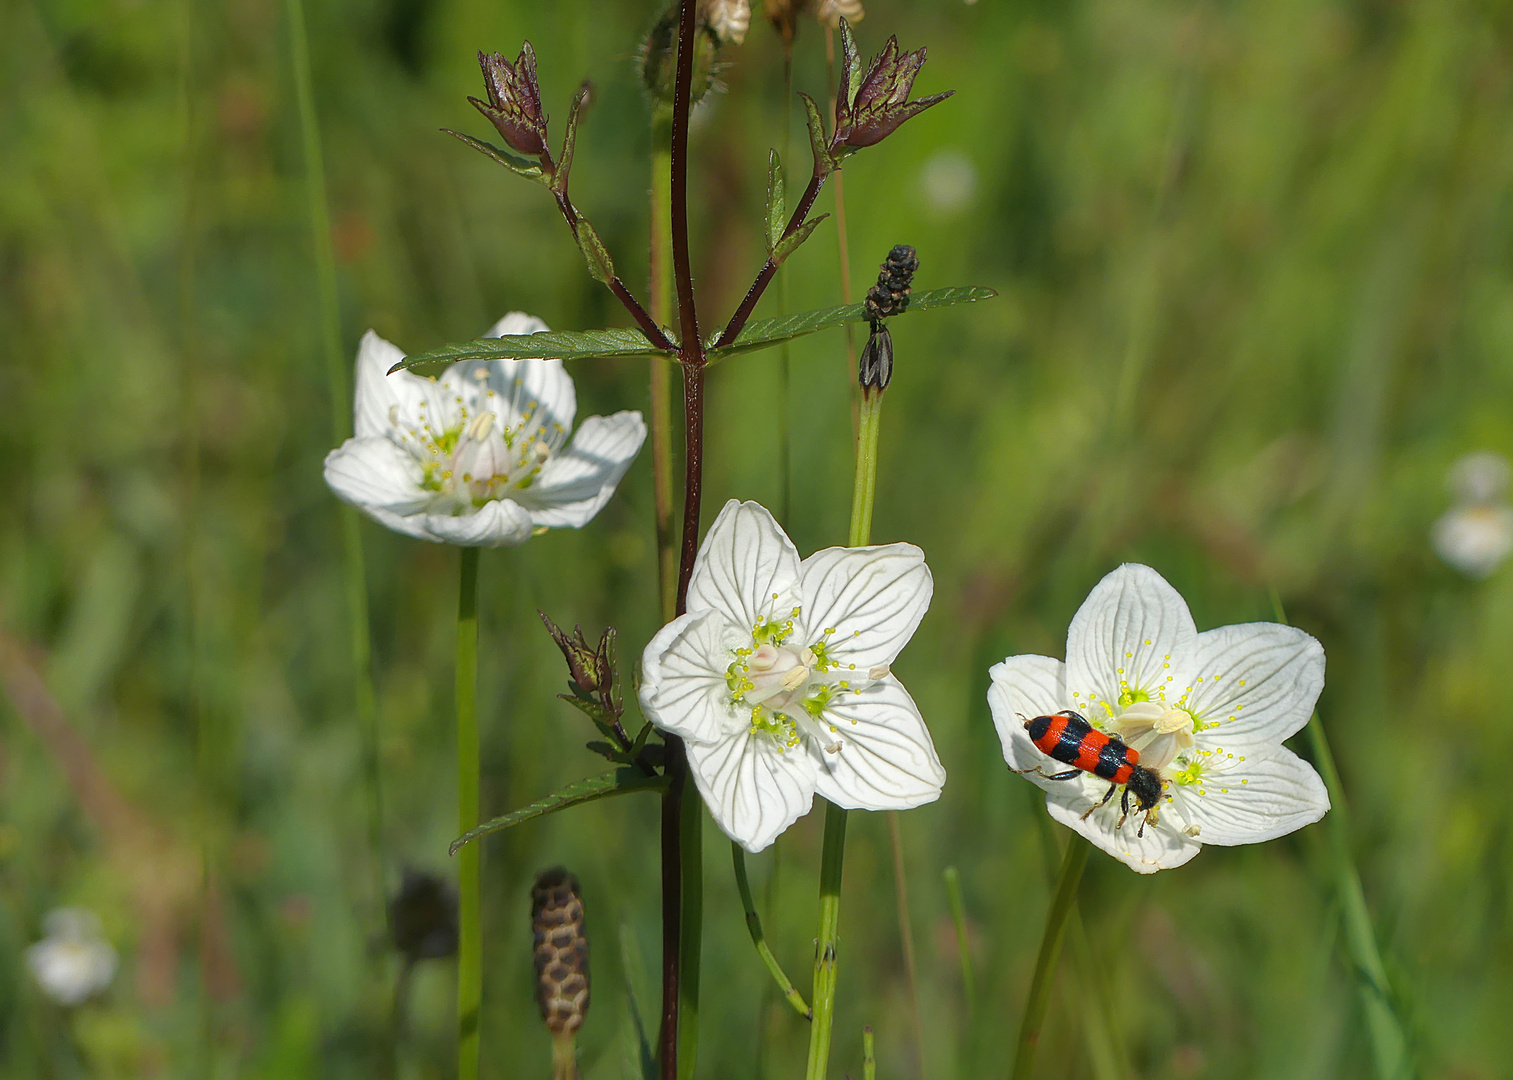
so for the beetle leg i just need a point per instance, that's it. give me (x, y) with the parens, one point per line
(1102, 802)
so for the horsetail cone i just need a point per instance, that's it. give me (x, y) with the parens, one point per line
(561, 952)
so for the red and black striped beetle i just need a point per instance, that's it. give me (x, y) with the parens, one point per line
(1071, 740)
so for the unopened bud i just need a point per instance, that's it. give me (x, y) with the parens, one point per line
(514, 104)
(561, 950)
(873, 104)
(875, 368)
(588, 666)
(659, 57)
(423, 917)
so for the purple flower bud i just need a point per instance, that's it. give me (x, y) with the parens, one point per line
(514, 104)
(880, 103)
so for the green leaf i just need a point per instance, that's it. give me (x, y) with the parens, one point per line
(777, 201)
(600, 265)
(547, 345)
(824, 164)
(851, 62)
(789, 244)
(765, 332)
(518, 165)
(570, 139)
(621, 781)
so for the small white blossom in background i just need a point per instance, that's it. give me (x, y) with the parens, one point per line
(831, 12)
(479, 457)
(1208, 712)
(949, 181)
(728, 19)
(778, 678)
(1476, 534)
(73, 962)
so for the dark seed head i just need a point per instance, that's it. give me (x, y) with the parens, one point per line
(891, 293)
(561, 950)
(423, 917)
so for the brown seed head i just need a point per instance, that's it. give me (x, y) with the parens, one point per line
(561, 950)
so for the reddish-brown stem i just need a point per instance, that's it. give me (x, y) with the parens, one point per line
(738, 321)
(693, 416)
(647, 324)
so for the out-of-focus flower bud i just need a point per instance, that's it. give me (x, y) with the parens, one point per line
(728, 20)
(561, 956)
(423, 917)
(514, 104)
(873, 105)
(659, 56)
(831, 12)
(784, 14)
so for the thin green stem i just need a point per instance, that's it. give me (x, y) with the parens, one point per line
(661, 367)
(469, 911)
(759, 939)
(693, 930)
(832, 860)
(869, 1055)
(842, 241)
(959, 918)
(785, 353)
(353, 567)
(1039, 1000)
(1390, 1054)
(865, 491)
(905, 924)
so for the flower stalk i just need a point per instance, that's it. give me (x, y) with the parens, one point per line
(470, 938)
(1039, 1001)
(661, 369)
(759, 939)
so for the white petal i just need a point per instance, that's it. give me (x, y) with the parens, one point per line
(1259, 683)
(683, 688)
(500, 523)
(407, 524)
(1260, 799)
(376, 474)
(754, 789)
(747, 567)
(886, 760)
(1161, 848)
(872, 598)
(389, 406)
(1022, 688)
(1132, 622)
(516, 323)
(575, 484)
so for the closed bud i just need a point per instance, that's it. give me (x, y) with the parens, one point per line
(872, 105)
(589, 666)
(561, 956)
(514, 104)
(875, 368)
(659, 56)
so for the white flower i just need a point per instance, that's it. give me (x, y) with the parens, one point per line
(1208, 712)
(831, 12)
(1476, 534)
(728, 19)
(778, 677)
(479, 457)
(73, 962)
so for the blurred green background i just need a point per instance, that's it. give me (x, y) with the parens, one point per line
(1254, 265)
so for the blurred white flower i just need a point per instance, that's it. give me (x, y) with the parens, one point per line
(778, 677)
(831, 12)
(73, 962)
(479, 457)
(1208, 712)
(728, 19)
(1476, 534)
(949, 181)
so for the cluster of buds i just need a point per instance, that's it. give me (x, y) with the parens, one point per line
(889, 296)
(514, 104)
(560, 951)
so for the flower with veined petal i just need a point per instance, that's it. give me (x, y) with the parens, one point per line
(1208, 712)
(778, 677)
(479, 457)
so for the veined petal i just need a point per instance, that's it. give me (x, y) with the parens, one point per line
(747, 568)
(1022, 688)
(375, 473)
(532, 398)
(516, 323)
(1257, 681)
(1260, 799)
(1133, 631)
(886, 760)
(500, 523)
(683, 688)
(754, 789)
(574, 485)
(1160, 848)
(864, 603)
(390, 406)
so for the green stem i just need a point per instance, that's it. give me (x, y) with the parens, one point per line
(661, 367)
(759, 939)
(905, 924)
(785, 353)
(869, 1055)
(1388, 1033)
(831, 862)
(470, 938)
(1039, 1000)
(959, 918)
(353, 563)
(691, 940)
(865, 492)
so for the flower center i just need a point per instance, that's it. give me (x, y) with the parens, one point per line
(475, 460)
(1158, 733)
(787, 688)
